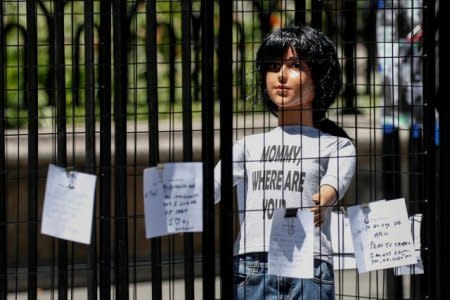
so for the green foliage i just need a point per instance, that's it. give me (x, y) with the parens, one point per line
(169, 14)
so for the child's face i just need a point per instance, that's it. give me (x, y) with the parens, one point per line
(289, 83)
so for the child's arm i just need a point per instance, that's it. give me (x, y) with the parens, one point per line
(323, 201)
(334, 184)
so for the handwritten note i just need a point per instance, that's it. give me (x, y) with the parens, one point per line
(381, 235)
(417, 268)
(173, 199)
(68, 205)
(341, 242)
(292, 244)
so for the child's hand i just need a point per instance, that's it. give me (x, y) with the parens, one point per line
(323, 202)
(318, 210)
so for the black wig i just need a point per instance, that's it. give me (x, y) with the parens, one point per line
(313, 48)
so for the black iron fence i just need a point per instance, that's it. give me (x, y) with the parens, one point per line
(112, 87)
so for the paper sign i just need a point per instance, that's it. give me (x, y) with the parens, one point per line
(173, 199)
(291, 247)
(416, 269)
(68, 205)
(381, 235)
(341, 242)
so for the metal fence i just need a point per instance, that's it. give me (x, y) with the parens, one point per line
(112, 87)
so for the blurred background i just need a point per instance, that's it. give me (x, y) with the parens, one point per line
(112, 87)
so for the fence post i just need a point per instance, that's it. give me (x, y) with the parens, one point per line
(50, 79)
(90, 136)
(32, 96)
(300, 12)
(208, 236)
(416, 192)
(187, 137)
(392, 189)
(104, 97)
(3, 194)
(349, 37)
(443, 164)
(120, 45)
(433, 205)
(316, 14)
(61, 140)
(226, 141)
(152, 102)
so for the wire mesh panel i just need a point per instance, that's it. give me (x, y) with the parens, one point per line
(113, 87)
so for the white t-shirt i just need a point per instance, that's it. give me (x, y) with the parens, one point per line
(284, 168)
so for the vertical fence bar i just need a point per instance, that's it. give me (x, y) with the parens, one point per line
(391, 162)
(444, 164)
(316, 14)
(263, 16)
(196, 27)
(241, 40)
(61, 141)
(349, 54)
(50, 80)
(370, 34)
(76, 65)
(120, 44)
(225, 80)
(416, 192)
(3, 195)
(392, 189)
(172, 69)
(300, 12)
(433, 208)
(415, 169)
(152, 102)
(187, 138)
(444, 136)
(207, 16)
(32, 97)
(90, 135)
(105, 148)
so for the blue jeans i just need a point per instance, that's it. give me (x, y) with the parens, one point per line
(251, 281)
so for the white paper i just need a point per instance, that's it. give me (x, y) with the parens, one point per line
(416, 269)
(358, 227)
(173, 199)
(341, 242)
(381, 235)
(291, 248)
(68, 205)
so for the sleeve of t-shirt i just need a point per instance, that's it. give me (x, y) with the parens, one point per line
(238, 169)
(341, 167)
